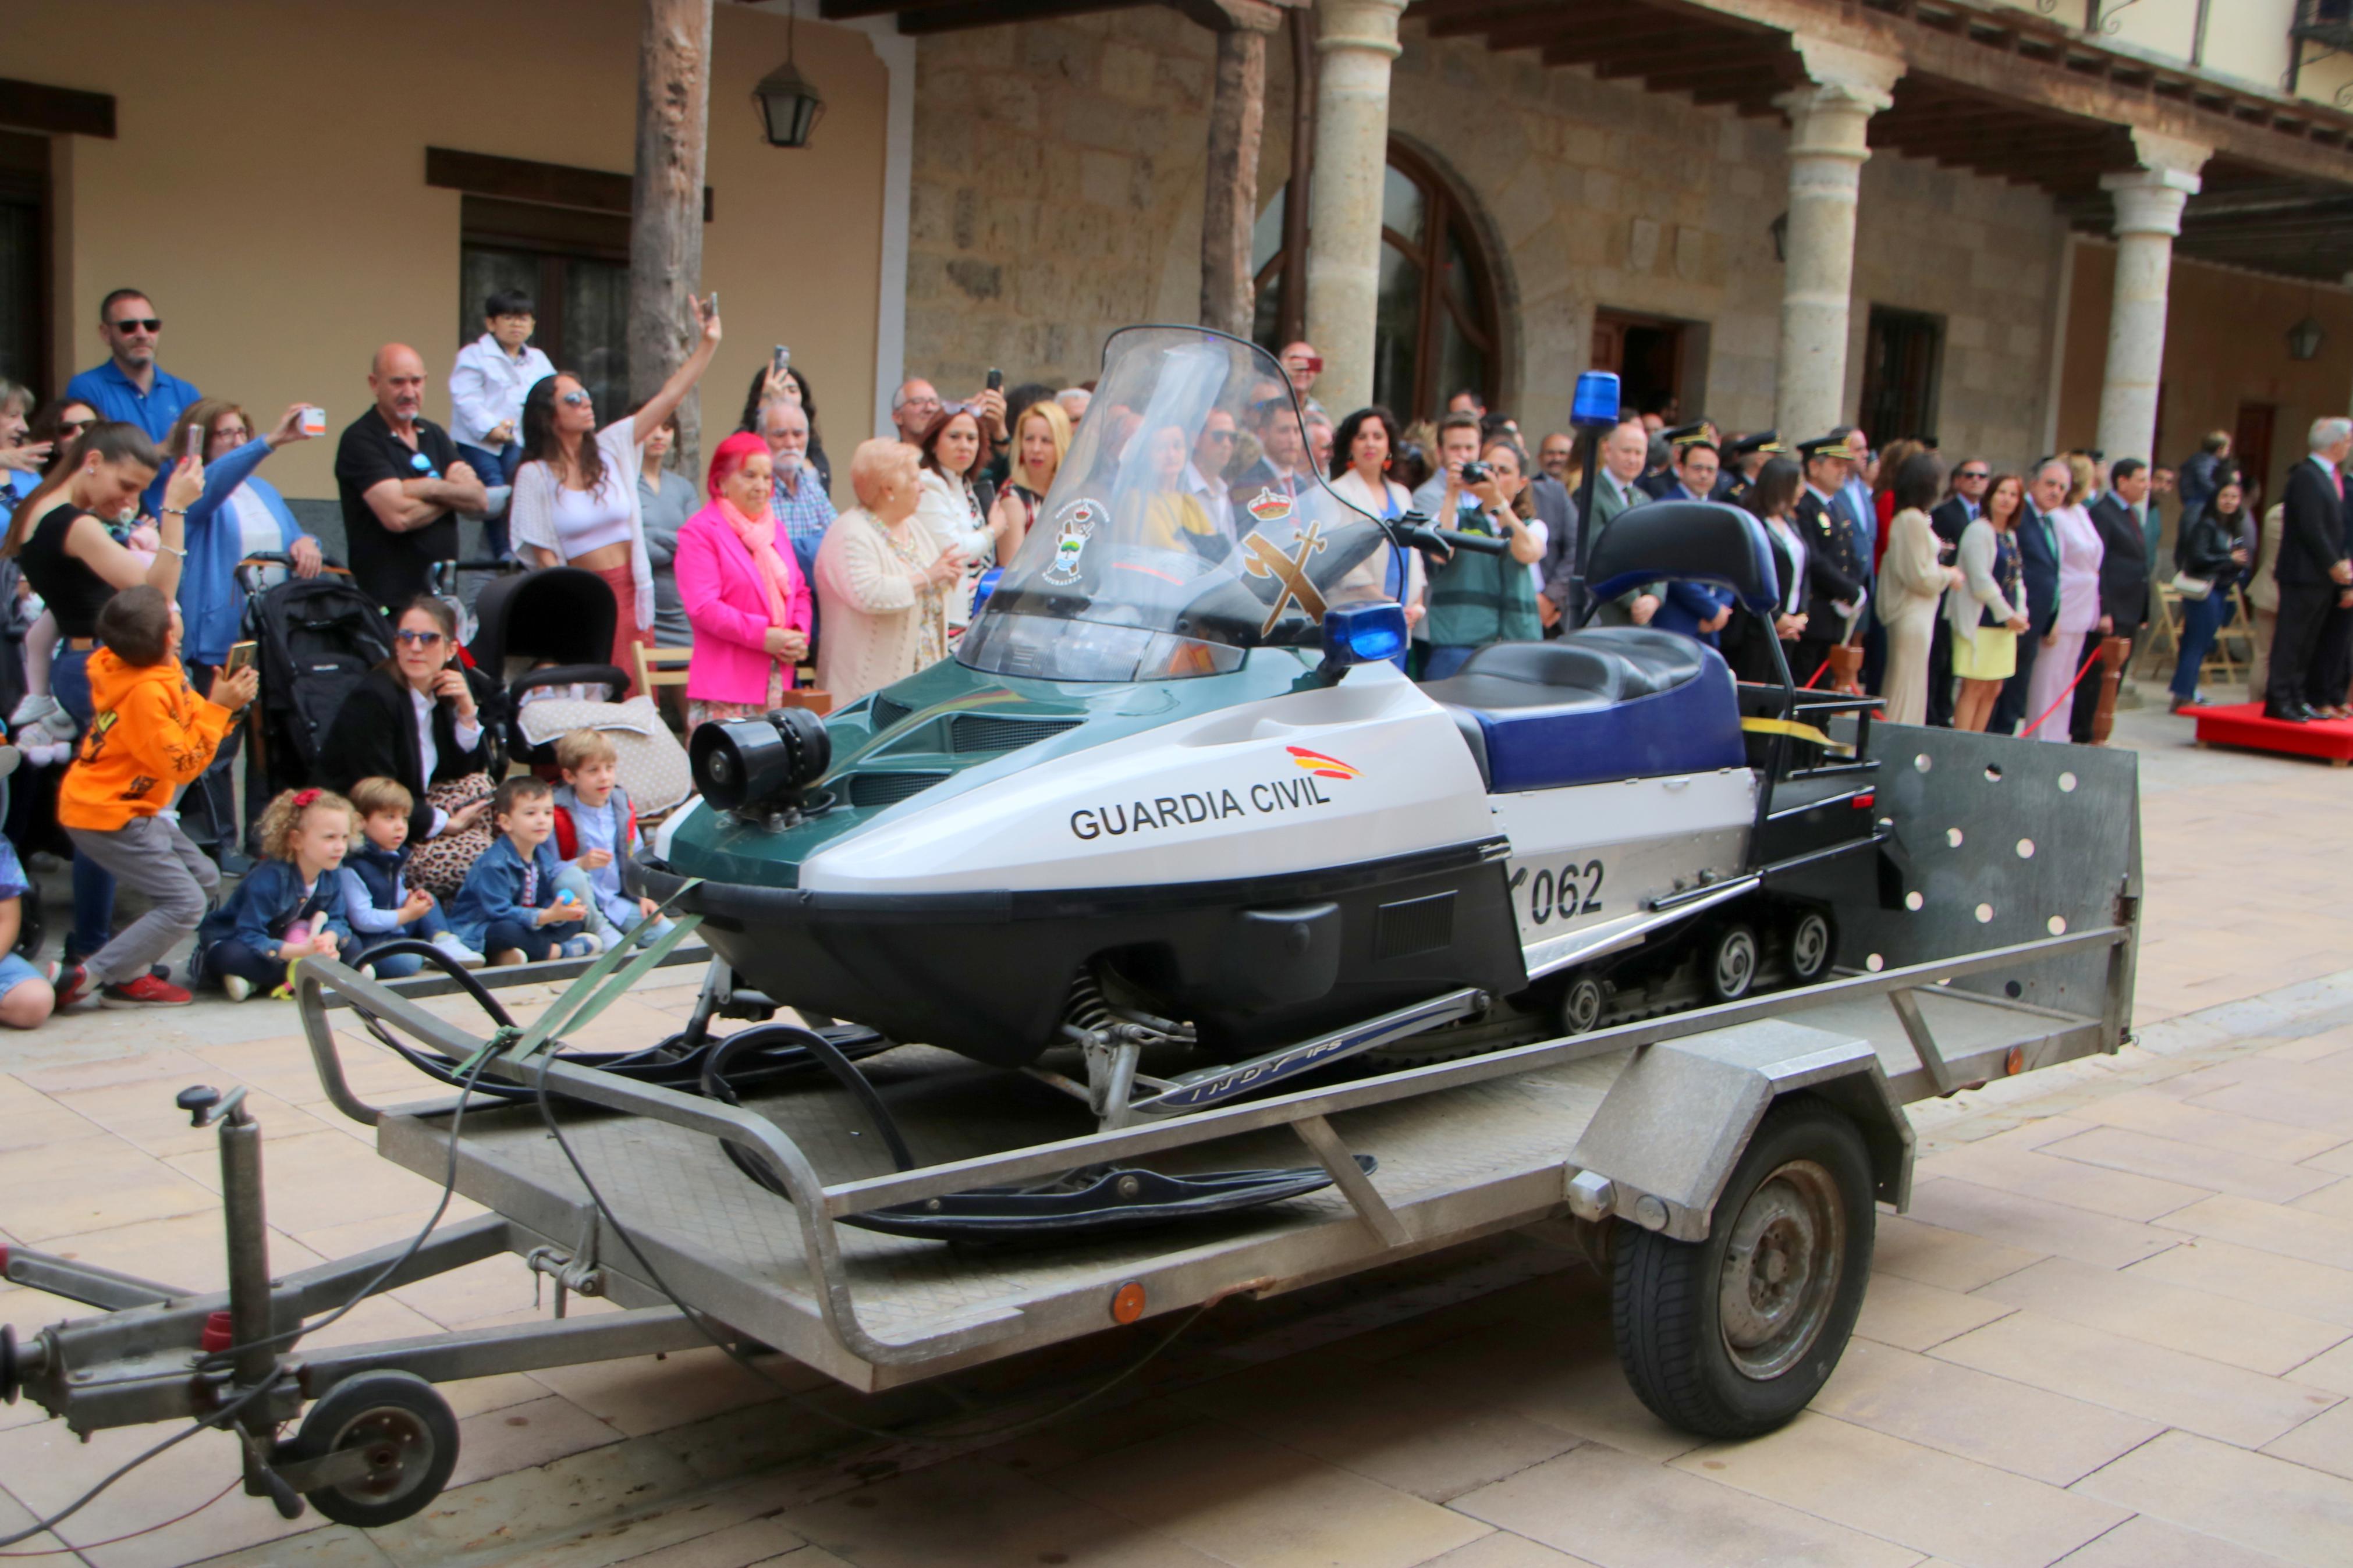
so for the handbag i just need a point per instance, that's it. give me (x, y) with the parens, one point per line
(2190, 587)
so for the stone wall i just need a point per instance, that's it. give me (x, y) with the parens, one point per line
(1057, 196)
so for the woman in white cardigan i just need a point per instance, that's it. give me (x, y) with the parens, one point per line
(882, 580)
(1362, 450)
(576, 497)
(1990, 608)
(958, 505)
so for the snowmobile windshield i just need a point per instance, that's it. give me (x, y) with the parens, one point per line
(1186, 525)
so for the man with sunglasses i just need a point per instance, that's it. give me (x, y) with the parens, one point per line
(131, 387)
(1949, 520)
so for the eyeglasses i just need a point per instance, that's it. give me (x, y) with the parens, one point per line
(74, 427)
(232, 432)
(418, 639)
(930, 402)
(1217, 435)
(572, 399)
(138, 324)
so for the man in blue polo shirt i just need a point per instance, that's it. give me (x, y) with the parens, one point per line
(131, 386)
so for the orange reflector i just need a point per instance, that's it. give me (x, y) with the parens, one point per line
(1863, 802)
(1128, 1303)
(2015, 1062)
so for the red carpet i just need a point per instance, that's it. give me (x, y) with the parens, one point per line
(2243, 724)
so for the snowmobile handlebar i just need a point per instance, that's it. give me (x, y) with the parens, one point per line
(1412, 532)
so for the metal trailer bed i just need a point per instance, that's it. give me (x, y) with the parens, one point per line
(2010, 947)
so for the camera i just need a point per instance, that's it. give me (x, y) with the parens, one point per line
(1476, 473)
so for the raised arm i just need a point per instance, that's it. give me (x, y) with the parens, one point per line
(664, 403)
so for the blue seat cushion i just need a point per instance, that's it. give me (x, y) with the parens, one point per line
(1609, 702)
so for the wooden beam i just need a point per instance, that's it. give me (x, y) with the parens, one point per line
(1615, 64)
(544, 184)
(959, 14)
(58, 111)
(1551, 26)
(665, 227)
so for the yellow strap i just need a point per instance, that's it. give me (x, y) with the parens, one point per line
(1795, 731)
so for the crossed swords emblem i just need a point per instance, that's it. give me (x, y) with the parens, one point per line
(1267, 560)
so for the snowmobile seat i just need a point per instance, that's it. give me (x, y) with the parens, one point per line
(1604, 703)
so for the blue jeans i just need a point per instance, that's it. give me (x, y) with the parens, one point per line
(493, 469)
(93, 884)
(401, 965)
(1446, 659)
(2201, 620)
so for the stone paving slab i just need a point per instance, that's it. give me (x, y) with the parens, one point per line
(2116, 1331)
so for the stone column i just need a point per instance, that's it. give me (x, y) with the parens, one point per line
(2148, 202)
(1229, 184)
(1359, 38)
(1827, 122)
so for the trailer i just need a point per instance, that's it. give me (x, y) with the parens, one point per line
(1727, 1163)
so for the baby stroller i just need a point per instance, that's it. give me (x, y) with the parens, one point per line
(547, 638)
(317, 638)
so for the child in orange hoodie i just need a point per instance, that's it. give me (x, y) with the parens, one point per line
(150, 734)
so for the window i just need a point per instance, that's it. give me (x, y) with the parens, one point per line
(24, 262)
(1902, 356)
(575, 265)
(1434, 329)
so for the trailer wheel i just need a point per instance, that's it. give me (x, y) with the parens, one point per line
(1581, 1004)
(1730, 1337)
(412, 1435)
(1812, 942)
(1731, 962)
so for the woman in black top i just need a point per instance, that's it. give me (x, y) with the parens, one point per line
(60, 539)
(421, 696)
(2212, 552)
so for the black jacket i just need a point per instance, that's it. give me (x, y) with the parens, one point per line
(2206, 548)
(2124, 566)
(2312, 537)
(1950, 519)
(1557, 510)
(1834, 566)
(374, 736)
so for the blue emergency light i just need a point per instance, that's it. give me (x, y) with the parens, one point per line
(1596, 405)
(1362, 634)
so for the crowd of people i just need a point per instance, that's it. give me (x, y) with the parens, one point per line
(1957, 595)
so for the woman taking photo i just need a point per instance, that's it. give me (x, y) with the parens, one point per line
(1989, 609)
(1772, 498)
(882, 579)
(665, 499)
(576, 495)
(239, 514)
(745, 597)
(957, 501)
(415, 718)
(1911, 584)
(59, 538)
(1475, 598)
(1042, 438)
(2210, 553)
(2080, 550)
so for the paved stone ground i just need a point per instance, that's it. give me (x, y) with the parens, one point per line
(2116, 1331)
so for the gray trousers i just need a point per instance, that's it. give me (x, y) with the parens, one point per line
(151, 855)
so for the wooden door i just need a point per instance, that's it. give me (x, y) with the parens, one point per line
(2251, 448)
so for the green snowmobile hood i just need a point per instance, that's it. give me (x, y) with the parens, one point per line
(951, 729)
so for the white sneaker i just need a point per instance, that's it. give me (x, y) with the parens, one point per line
(447, 942)
(237, 987)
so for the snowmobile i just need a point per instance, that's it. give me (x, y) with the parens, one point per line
(1173, 802)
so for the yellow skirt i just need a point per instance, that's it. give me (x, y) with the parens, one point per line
(1990, 654)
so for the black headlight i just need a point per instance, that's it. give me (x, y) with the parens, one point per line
(760, 764)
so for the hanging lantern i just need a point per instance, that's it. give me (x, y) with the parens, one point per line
(2304, 340)
(789, 106)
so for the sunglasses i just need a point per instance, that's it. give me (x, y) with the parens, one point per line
(1217, 435)
(1974, 474)
(74, 427)
(418, 639)
(138, 324)
(572, 399)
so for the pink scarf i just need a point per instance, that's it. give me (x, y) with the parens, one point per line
(760, 538)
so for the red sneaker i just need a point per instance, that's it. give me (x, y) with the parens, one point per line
(145, 992)
(71, 984)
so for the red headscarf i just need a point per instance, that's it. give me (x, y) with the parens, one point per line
(732, 455)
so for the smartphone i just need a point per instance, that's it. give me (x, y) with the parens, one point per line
(996, 379)
(783, 357)
(241, 655)
(196, 442)
(711, 304)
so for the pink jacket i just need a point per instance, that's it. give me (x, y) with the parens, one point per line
(718, 585)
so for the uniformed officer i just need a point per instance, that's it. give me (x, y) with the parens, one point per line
(1835, 558)
(1742, 458)
(1664, 484)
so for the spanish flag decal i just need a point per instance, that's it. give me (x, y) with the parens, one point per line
(1322, 767)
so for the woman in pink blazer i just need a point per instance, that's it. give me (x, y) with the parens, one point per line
(745, 597)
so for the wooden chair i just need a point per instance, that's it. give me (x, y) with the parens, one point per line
(2162, 646)
(667, 667)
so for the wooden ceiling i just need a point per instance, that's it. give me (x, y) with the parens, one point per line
(2009, 95)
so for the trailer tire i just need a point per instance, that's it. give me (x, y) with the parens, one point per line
(394, 1408)
(1582, 1001)
(1813, 943)
(1800, 1200)
(1730, 962)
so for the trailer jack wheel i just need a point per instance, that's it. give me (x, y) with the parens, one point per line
(1581, 1004)
(1812, 943)
(409, 1434)
(1732, 962)
(1730, 1337)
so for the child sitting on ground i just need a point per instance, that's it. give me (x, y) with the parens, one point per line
(287, 907)
(377, 899)
(26, 999)
(509, 907)
(148, 735)
(594, 827)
